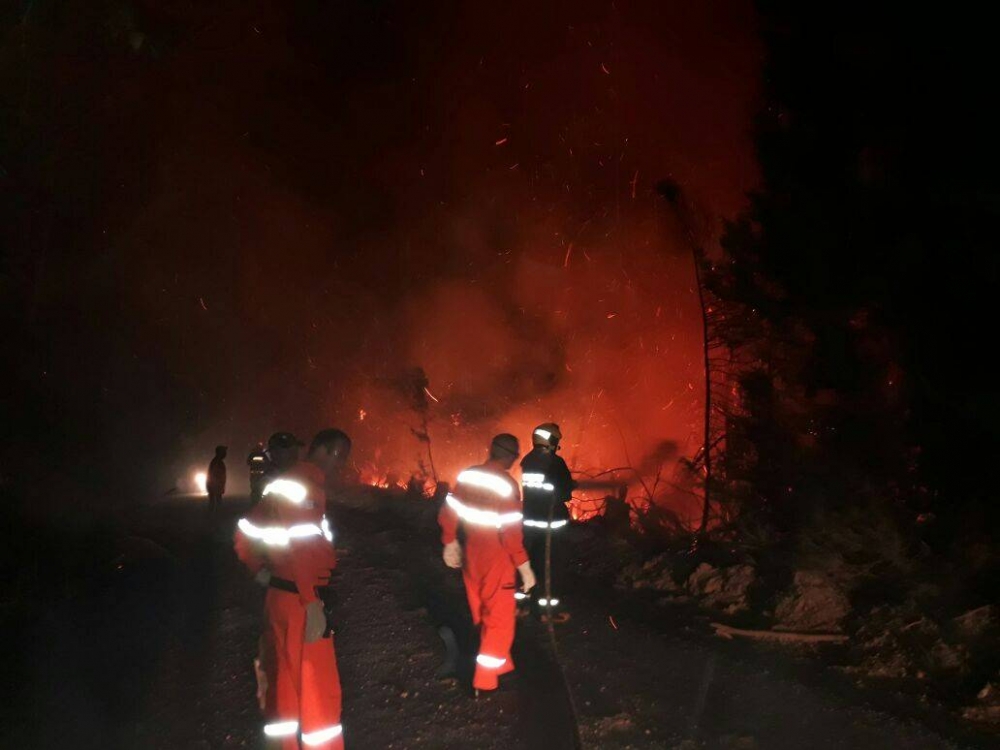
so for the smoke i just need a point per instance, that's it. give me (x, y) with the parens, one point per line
(606, 344)
(295, 206)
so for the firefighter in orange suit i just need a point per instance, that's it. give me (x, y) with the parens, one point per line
(286, 541)
(486, 501)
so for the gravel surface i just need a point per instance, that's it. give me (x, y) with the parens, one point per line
(158, 655)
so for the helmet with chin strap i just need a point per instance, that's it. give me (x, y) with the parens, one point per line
(547, 435)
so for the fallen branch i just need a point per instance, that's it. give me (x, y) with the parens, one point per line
(727, 632)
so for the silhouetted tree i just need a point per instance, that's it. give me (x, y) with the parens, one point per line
(852, 290)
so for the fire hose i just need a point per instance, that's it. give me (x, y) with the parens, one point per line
(553, 641)
(553, 644)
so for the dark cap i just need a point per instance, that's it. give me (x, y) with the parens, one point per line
(505, 443)
(283, 440)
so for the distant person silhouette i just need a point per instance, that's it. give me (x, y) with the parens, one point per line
(216, 481)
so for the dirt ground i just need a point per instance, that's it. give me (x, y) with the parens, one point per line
(158, 655)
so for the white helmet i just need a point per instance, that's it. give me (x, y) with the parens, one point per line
(547, 435)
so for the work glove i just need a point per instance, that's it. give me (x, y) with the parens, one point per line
(527, 576)
(263, 577)
(453, 554)
(262, 684)
(315, 621)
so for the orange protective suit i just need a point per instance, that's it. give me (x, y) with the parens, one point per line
(487, 502)
(288, 534)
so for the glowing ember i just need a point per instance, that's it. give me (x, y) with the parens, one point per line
(569, 251)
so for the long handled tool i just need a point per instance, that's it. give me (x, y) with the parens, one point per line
(552, 632)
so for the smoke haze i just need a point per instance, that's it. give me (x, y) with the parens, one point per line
(267, 214)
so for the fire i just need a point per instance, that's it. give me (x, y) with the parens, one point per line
(564, 293)
(201, 482)
(373, 476)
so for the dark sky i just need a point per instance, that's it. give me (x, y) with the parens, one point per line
(222, 219)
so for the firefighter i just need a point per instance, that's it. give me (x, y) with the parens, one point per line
(282, 454)
(486, 501)
(215, 479)
(548, 487)
(286, 541)
(258, 462)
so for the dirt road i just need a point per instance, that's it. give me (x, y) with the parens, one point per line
(157, 655)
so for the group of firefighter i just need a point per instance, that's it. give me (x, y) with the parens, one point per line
(497, 531)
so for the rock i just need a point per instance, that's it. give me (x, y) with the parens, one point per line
(898, 642)
(989, 695)
(892, 666)
(701, 578)
(947, 658)
(814, 603)
(724, 589)
(655, 574)
(982, 714)
(883, 656)
(664, 582)
(976, 623)
(617, 723)
(656, 564)
(987, 706)
(921, 632)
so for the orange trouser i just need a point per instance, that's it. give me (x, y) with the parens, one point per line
(489, 586)
(303, 685)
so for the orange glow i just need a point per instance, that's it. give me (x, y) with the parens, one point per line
(562, 290)
(624, 395)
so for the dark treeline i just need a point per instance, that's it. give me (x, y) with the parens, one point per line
(855, 297)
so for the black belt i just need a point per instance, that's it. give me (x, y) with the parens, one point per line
(283, 584)
(326, 594)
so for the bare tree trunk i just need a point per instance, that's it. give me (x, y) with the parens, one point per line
(672, 193)
(430, 456)
(708, 393)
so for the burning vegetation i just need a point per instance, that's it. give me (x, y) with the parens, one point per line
(492, 363)
(446, 223)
